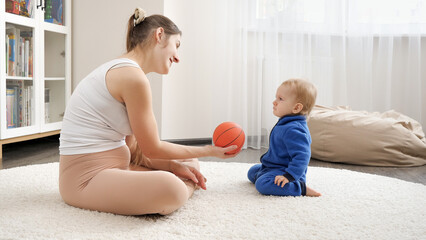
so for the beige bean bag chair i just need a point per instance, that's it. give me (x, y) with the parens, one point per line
(358, 137)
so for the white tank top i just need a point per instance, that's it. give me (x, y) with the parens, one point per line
(95, 121)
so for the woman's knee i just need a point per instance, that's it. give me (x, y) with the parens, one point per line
(175, 192)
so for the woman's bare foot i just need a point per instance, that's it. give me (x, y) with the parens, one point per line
(311, 192)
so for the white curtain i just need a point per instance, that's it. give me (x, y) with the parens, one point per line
(366, 54)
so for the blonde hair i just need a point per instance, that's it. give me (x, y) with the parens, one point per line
(305, 91)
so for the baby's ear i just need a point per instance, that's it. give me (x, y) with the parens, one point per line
(298, 107)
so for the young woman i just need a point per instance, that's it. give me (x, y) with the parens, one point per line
(112, 159)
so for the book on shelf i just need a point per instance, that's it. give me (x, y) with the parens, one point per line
(21, 7)
(12, 6)
(19, 51)
(11, 55)
(10, 107)
(7, 55)
(30, 7)
(28, 106)
(53, 12)
(18, 104)
(46, 105)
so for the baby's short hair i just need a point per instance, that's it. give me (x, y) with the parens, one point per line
(305, 91)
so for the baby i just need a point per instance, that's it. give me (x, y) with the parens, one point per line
(283, 167)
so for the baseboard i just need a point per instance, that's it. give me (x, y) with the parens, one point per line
(192, 141)
(208, 141)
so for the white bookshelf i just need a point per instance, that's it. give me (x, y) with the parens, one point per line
(42, 60)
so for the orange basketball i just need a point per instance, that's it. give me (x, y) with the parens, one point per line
(229, 134)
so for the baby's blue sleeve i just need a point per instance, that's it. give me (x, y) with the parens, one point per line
(298, 144)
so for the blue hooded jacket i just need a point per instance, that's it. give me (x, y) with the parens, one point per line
(289, 147)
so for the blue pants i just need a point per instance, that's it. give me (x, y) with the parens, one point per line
(264, 178)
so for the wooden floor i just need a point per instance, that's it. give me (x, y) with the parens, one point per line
(45, 150)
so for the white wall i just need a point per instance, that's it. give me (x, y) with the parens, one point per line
(188, 97)
(99, 35)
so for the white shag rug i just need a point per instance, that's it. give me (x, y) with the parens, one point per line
(353, 206)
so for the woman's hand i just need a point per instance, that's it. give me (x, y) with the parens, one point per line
(222, 152)
(187, 172)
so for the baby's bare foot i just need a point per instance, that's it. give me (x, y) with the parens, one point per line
(311, 192)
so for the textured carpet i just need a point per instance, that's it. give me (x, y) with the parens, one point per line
(353, 206)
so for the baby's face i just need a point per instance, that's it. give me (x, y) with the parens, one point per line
(285, 102)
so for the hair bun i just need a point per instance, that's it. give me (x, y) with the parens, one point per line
(139, 16)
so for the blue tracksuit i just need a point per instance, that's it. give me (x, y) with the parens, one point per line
(288, 154)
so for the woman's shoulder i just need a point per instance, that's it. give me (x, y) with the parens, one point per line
(126, 69)
(125, 60)
(125, 80)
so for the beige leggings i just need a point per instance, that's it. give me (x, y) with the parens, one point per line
(107, 182)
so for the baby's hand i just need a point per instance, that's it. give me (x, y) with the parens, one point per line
(280, 179)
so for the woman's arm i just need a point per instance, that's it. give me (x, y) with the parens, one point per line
(175, 166)
(139, 159)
